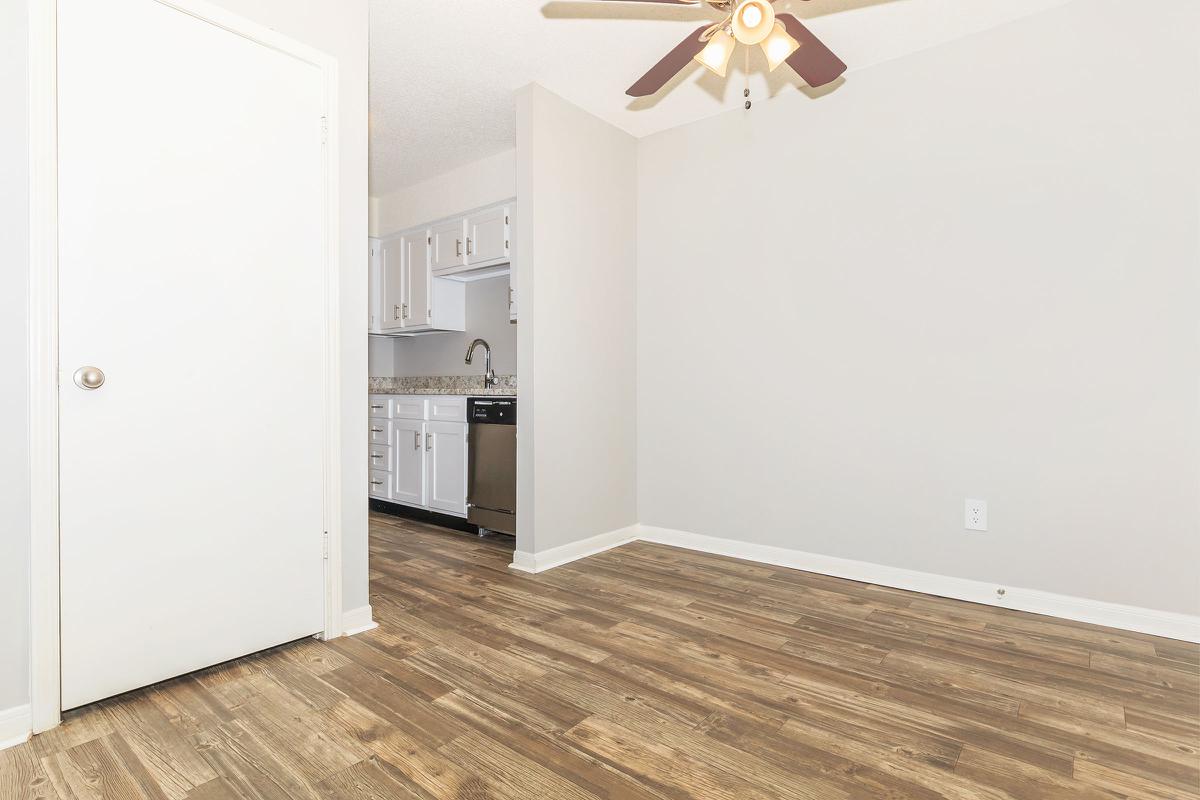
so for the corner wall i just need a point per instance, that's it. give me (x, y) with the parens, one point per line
(576, 338)
(972, 272)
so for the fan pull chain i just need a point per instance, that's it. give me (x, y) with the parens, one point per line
(746, 92)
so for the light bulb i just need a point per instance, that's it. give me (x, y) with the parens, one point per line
(753, 20)
(716, 54)
(778, 46)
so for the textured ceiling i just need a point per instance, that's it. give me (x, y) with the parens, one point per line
(443, 71)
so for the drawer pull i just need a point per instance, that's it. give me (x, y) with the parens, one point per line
(375, 408)
(376, 455)
(377, 483)
(376, 430)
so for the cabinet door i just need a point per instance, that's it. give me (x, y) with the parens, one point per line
(447, 245)
(408, 462)
(446, 466)
(418, 281)
(393, 286)
(487, 236)
(374, 294)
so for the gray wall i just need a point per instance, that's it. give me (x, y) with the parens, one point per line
(972, 272)
(577, 337)
(14, 385)
(444, 353)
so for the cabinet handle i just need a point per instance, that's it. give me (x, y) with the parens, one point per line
(458, 247)
(376, 430)
(376, 455)
(428, 441)
(468, 245)
(395, 312)
(377, 483)
(376, 407)
(416, 440)
(405, 312)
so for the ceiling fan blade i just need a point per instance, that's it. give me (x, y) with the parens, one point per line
(671, 63)
(814, 62)
(668, 2)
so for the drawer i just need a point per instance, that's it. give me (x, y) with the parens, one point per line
(447, 409)
(379, 484)
(379, 457)
(380, 431)
(379, 407)
(407, 406)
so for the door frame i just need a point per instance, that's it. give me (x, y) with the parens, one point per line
(44, 368)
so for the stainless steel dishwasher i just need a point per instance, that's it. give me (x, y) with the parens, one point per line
(492, 464)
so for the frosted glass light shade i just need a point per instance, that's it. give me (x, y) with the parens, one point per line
(716, 54)
(753, 21)
(778, 46)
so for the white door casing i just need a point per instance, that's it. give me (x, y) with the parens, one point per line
(195, 268)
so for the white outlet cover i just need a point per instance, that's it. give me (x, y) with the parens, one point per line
(976, 515)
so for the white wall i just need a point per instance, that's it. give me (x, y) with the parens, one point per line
(576, 184)
(445, 353)
(338, 27)
(14, 451)
(479, 183)
(972, 272)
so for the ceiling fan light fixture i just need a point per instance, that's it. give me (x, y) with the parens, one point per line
(716, 54)
(778, 46)
(753, 21)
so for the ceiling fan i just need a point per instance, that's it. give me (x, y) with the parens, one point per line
(783, 38)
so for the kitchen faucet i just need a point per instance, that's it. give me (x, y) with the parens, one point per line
(489, 377)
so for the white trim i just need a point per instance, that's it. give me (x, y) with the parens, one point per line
(565, 554)
(45, 689)
(358, 620)
(16, 724)
(1168, 624)
(1097, 612)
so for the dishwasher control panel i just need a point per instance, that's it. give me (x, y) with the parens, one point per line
(492, 411)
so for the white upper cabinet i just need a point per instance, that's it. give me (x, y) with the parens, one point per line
(448, 245)
(418, 295)
(487, 236)
(408, 299)
(393, 303)
(374, 307)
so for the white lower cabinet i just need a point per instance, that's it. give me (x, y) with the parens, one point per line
(426, 452)
(408, 462)
(446, 466)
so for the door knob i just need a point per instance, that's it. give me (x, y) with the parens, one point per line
(89, 377)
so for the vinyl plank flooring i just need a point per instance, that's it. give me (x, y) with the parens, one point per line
(645, 673)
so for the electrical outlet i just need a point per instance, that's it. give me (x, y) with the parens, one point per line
(976, 519)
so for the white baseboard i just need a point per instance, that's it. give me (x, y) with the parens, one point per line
(1097, 612)
(357, 620)
(1171, 625)
(565, 554)
(15, 726)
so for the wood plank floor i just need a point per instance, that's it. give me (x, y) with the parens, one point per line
(646, 672)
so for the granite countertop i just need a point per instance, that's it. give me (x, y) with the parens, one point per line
(471, 385)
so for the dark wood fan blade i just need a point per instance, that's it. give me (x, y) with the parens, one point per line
(671, 63)
(814, 62)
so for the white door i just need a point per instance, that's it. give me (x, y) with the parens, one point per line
(447, 249)
(408, 462)
(394, 288)
(487, 235)
(446, 466)
(417, 280)
(192, 258)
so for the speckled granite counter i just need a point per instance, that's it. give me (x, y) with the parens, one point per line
(444, 384)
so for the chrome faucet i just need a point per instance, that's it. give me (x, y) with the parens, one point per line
(489, 377)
